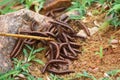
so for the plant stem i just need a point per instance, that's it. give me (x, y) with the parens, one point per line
(25, 36)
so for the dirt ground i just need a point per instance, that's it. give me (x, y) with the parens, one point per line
(88, 60)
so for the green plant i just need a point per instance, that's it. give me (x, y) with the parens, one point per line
(114, 12)
(100, 53)
(80, 6)
(113, 72)
(85, 75)
(95, 12)
(30, 77)
(77, 6)
(54, 77)
(7, 6)
(118, 78)
(38, 4)
(88, 2)
(7, 76)
(106, 78)
(31, 56)
(21, 66)
(28, 3)
(111, 75)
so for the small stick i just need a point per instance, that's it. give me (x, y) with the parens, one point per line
(25, 36)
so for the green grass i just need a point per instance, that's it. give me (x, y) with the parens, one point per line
(82, 5)
(85, 74)
(100, 53)
(29, 3)
(54, 77)
(114, 12)
(31, 55)
(21, 66)
(113, 72)
(8, 4)
(111, 75)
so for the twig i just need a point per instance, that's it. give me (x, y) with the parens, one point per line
(25, 36)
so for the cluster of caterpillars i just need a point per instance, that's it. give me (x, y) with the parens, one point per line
(61, 49)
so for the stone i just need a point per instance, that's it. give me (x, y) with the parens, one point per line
(92, 30)
(12, 23)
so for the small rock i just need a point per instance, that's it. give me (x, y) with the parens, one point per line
(114, 41)
(106, 75)
(53, 4)
(96, 23)
(22, 76)
(92, 31)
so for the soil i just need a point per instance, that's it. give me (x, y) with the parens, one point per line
(88, 60)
